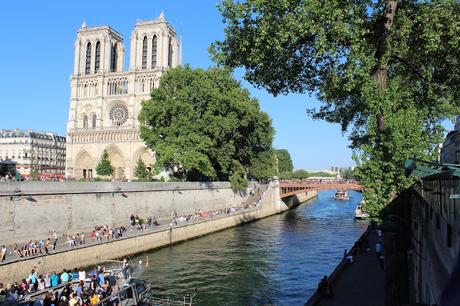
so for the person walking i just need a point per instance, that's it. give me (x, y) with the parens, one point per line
(378, 249)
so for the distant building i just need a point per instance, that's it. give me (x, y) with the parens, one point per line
(450, 150)
(105, 100)
(40, 151)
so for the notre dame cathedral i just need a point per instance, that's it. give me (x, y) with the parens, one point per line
(105, 100)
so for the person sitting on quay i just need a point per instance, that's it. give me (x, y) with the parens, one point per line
(3, 253)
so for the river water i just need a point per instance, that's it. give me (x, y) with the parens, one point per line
(277, 260)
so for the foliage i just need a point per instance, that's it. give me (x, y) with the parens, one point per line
(386, 70)
(348, 173)
(286, 175)
(34, 167)
(303, 174)
(204, 126)
(104, 168)
(263, 166)
(141, 171)
(284, 160)
(237, 177)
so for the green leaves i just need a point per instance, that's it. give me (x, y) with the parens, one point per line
(284, 160)
(388, 71)
(204, 126)
(104, 168)
(141, 171)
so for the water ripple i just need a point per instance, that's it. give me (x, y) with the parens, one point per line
(274, 261)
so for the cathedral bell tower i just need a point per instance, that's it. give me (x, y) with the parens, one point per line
(105, 100)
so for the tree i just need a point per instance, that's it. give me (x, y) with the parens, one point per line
(203, 126)
(300, 174)
(263, 166)
(386, 70)
(284, 160)
(141, 171)
(104, 168)
(34, 171)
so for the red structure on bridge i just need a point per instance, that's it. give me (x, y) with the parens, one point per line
(290, 188)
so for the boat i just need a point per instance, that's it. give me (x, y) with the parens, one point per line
(360, 214)
(130, 289)
(342, 195)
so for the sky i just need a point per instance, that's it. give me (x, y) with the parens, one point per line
(36, 59)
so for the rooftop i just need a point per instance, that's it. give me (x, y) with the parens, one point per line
(29, 134)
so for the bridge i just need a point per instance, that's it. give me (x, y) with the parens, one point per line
(290, 188)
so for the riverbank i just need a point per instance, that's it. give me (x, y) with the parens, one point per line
(281, 257)
(93, 254)
(357, 283)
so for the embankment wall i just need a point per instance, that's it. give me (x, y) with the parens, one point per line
(32, 210)
(91, 255)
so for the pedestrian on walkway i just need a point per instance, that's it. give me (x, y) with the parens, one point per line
(378, 249)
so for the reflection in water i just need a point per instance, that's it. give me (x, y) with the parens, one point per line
(278, 260)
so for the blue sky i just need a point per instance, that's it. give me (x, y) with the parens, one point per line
(36, 59)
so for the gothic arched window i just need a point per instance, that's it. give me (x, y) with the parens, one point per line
(85, 121)
(154, 51)
(97, 63)
(88, 59)
(93, 121)
(170, 53)
(113, 60)
(144, 53)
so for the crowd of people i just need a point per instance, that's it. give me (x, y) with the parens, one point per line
(76, 290)
(102, 233)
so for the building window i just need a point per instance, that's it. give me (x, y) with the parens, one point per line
(88, 59)
(154, 51)
(170, 52)
(97, 63)
(118, 114)
(144, 53)
(449, 236)
(85, 121)
(113, 61)
(93, 121)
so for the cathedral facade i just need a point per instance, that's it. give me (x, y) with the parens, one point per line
(105, 100)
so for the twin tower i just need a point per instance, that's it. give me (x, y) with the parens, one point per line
(105, 100)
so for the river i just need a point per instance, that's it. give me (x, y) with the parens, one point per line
(277, 260)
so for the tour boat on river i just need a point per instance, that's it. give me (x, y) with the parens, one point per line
(129, 289)
(342, 195)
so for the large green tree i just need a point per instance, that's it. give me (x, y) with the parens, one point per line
(284, 161)
(385, 70)
(204, 126)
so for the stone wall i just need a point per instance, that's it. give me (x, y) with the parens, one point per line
(91, 255)
(32, 210)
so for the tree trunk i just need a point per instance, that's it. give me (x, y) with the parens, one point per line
(381, 71)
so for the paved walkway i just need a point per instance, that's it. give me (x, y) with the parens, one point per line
(361, 283)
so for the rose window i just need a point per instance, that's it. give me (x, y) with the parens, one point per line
(118, 114)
